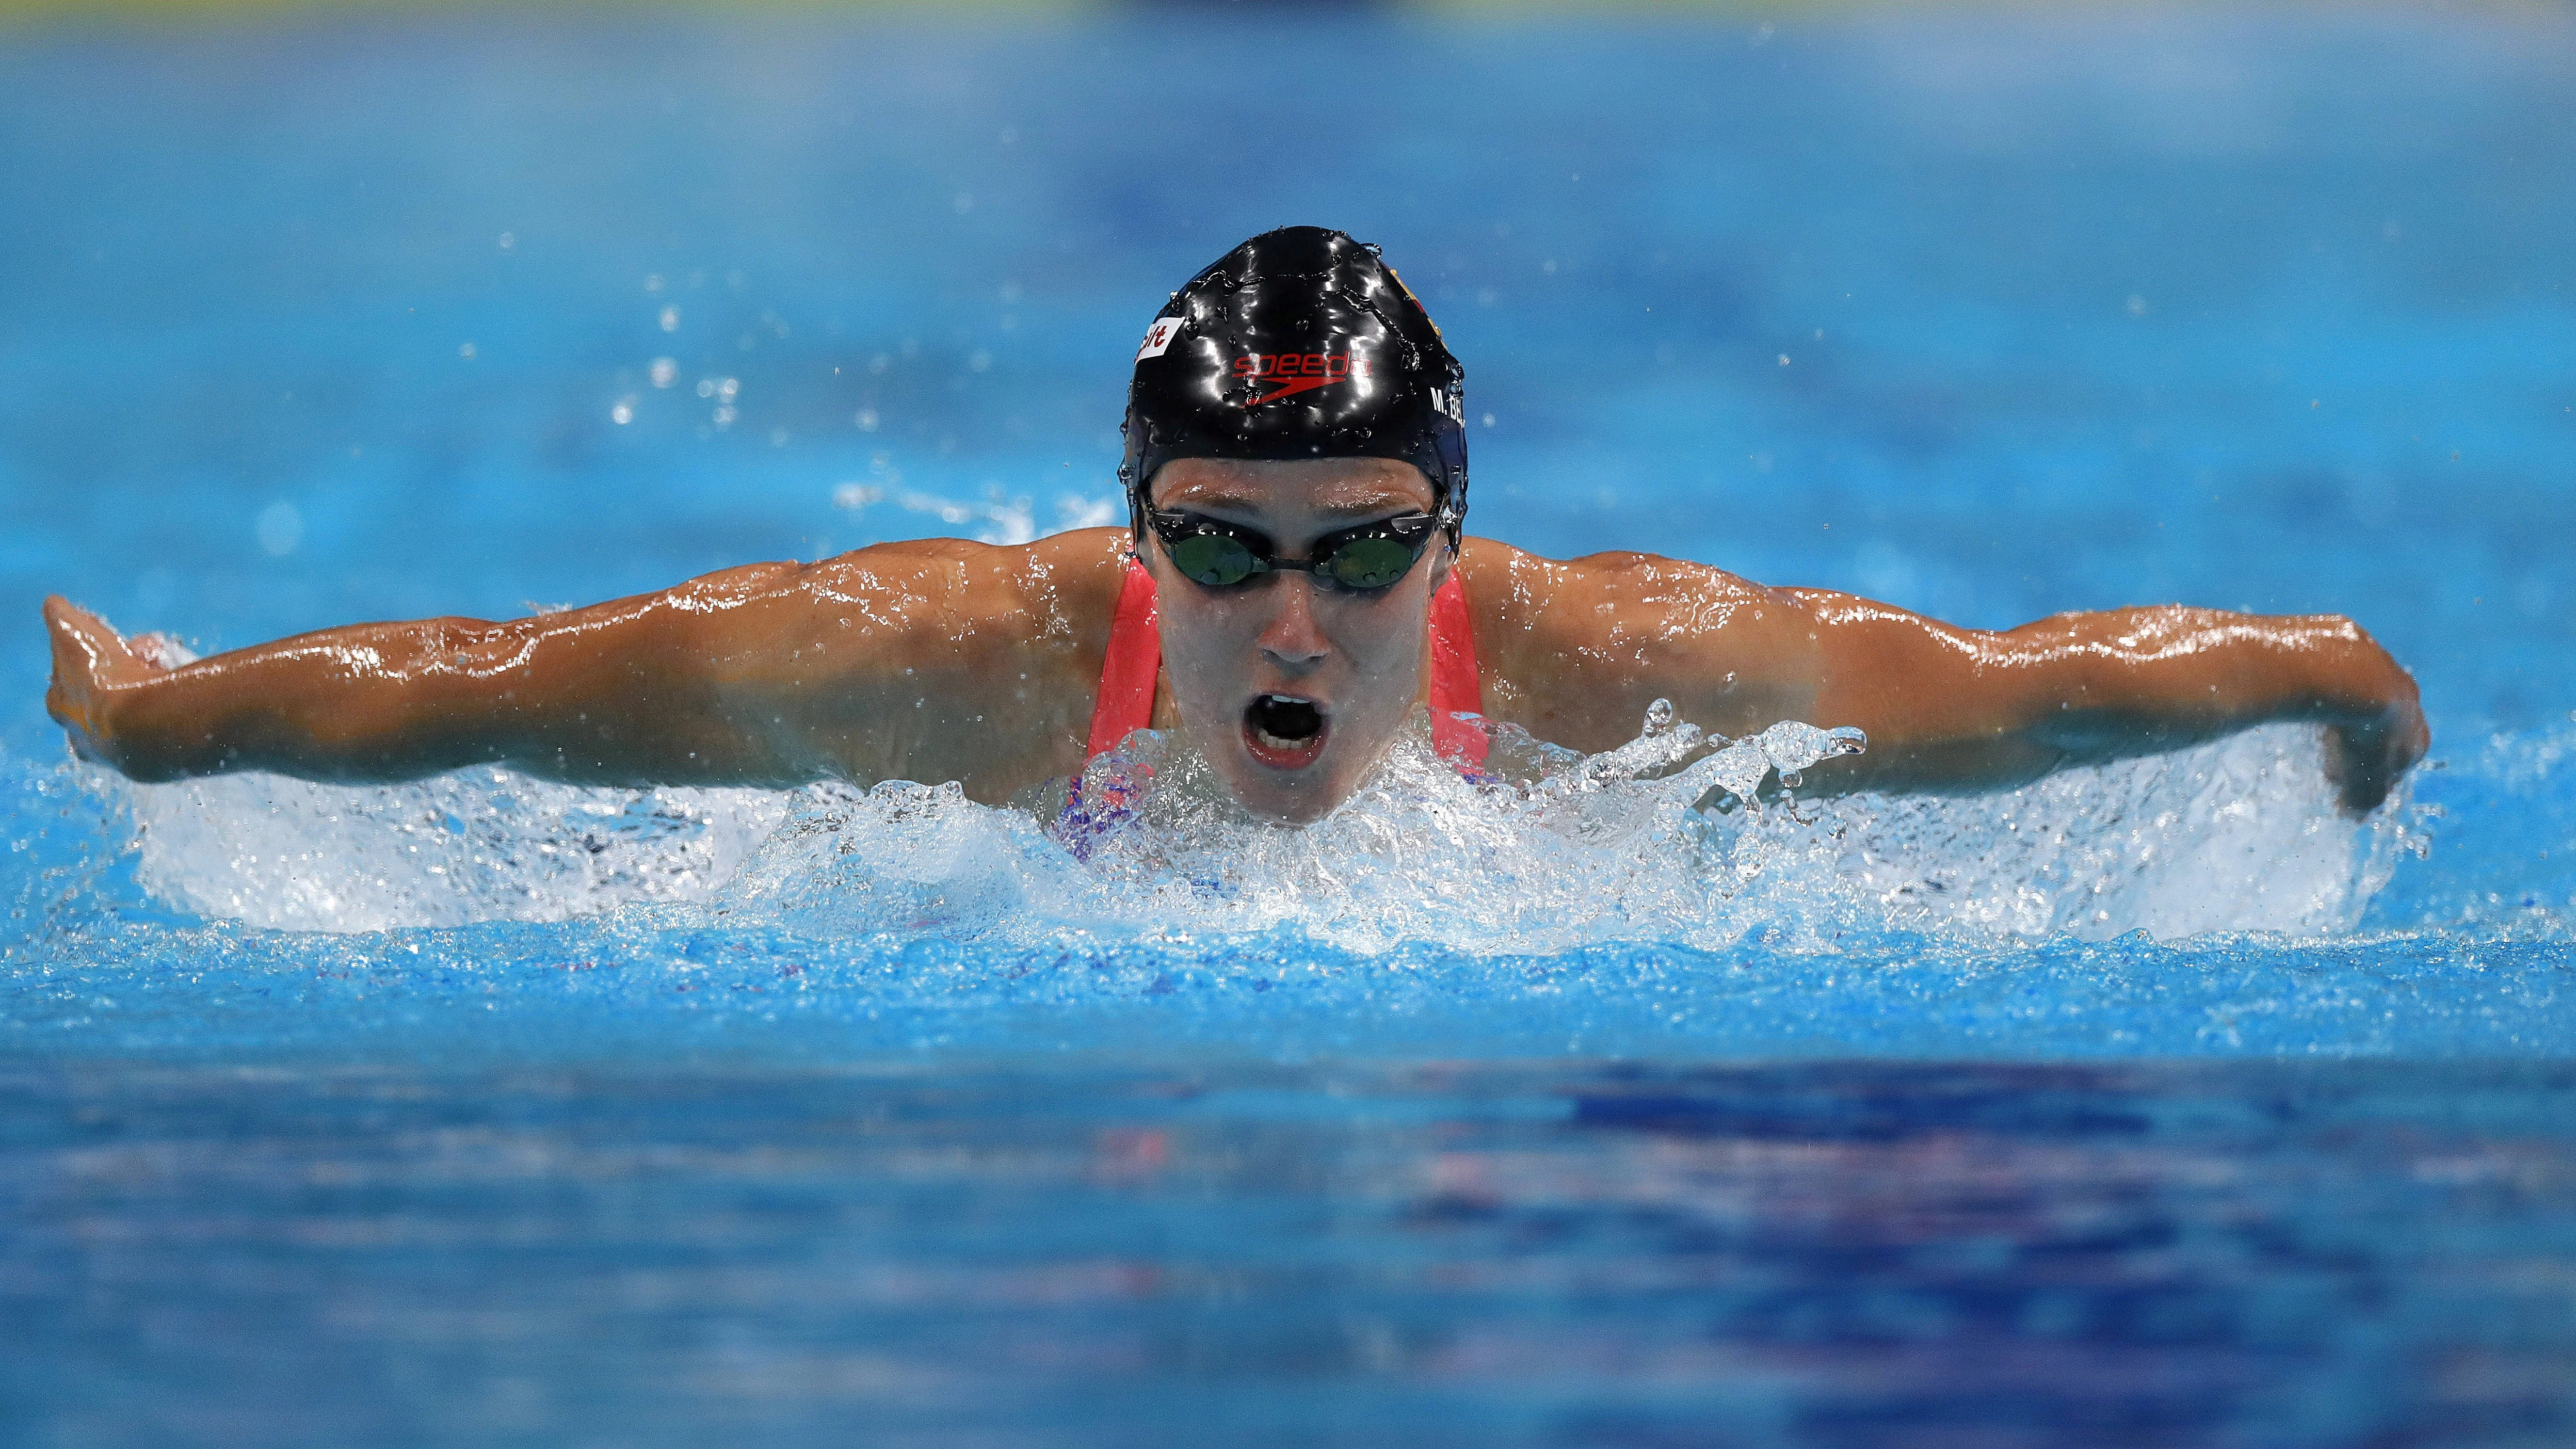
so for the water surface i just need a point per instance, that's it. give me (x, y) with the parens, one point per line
(2155, 1105)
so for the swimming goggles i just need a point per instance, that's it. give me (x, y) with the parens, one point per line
(1219, 555)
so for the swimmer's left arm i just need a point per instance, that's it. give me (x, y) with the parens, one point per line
(1950, 708)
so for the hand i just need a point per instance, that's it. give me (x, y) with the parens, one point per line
(92, 664)
(2365, 761)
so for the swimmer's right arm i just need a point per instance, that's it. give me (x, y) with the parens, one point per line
(934, 661)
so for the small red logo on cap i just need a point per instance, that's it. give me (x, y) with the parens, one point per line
(1295, 372)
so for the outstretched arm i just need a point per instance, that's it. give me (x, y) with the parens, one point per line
(1952, 708)
(1580, 648)
(936, 660)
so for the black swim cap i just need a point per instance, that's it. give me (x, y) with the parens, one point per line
(1299, 343)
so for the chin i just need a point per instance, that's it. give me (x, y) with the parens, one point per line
(1274, 806)
(1299, 799)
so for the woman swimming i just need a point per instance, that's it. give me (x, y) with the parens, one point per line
(1297, 575)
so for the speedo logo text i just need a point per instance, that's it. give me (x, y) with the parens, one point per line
(1296, 372)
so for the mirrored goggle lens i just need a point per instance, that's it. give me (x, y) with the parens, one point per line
(1212, 559)
(1370, 563)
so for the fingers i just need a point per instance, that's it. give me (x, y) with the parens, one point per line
(2363, 790)
(89, 659)
(67, 694)
(80, 633)
(2366, 761)
(2362, 783)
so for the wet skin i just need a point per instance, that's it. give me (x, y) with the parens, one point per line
(947, 660)
(1358, 659)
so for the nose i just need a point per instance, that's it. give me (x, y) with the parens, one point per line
(1291, 639)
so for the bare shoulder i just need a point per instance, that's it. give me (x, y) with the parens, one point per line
(934, 659)
(1612, 595)
(1575, 649)
(946, 609)
(1059, 588)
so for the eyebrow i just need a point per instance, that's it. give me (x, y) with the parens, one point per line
(1216, 496)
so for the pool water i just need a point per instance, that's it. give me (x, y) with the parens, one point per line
(2151, 1105)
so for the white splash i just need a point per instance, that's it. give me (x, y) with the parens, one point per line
(474, 845)
(2242, 835)
(1666, 839)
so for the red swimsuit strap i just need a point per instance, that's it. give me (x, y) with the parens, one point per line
(1126, 702)
(1456, 687)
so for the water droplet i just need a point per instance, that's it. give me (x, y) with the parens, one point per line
(280, 529)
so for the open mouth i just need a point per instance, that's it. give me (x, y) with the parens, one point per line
(1283, 731)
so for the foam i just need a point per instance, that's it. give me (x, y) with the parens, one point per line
(1662, 840)
(473, 845)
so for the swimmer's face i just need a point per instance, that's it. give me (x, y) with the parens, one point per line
(1290, 689)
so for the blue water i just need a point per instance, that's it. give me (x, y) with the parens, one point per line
(2152, 1106)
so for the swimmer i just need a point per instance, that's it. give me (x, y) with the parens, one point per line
(1293, 591)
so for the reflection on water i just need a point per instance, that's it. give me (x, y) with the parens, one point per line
(1841, 1254)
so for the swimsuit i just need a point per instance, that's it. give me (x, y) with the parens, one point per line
(1126, 700)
